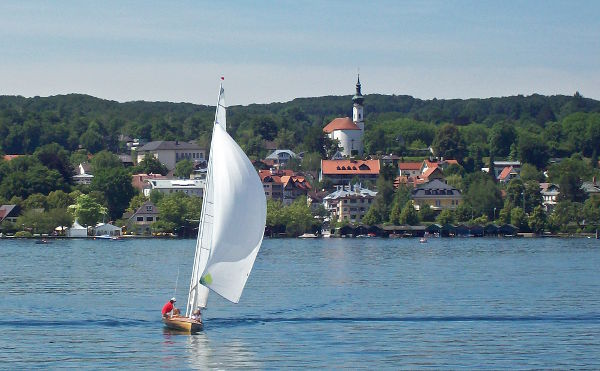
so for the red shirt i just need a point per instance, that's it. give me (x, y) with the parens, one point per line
(167, 308)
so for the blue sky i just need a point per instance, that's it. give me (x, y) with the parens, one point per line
(274, 51)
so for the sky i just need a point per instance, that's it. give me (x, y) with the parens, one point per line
(275, 51)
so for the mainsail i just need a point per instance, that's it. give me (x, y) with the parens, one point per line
(232, 222)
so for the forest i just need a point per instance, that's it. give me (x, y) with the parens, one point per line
(56, 133)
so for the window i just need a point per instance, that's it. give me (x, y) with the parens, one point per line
(149, 218)
(437, 202)
(140, 219)
(149, 208)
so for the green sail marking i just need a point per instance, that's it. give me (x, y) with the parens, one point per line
(206, 279)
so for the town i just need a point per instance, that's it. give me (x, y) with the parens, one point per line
(395, 178)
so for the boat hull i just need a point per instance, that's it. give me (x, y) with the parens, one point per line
(183, 324)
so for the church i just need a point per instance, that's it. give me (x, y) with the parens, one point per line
(349, 132)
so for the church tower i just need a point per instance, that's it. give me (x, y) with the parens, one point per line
(357, 110)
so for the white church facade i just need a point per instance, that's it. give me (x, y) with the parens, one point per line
(350, 132)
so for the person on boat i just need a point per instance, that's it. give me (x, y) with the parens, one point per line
(196, 315)
(169, 309)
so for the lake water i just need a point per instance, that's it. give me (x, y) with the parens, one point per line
(328, 303)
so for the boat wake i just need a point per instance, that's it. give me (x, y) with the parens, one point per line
(234, 322)
(73, 323)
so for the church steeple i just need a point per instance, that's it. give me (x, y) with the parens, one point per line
(358, 97)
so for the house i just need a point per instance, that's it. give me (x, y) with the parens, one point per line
(507, 174)
(432, 173)
(441, 163)
(591, 188)
(82, 175)
(349, 132)
(549, 192)
(437, 195)
(409, 169)
(341, 172)
(315, 198)
(499, 167)
(77, 230)
(279, 158)
(349, 203)
(126, 160)
(141, 181)
(192, 187)
(139, 222)
(106, 229)
(10, 157)
(171, 152)
(283, 185)
(9, 213)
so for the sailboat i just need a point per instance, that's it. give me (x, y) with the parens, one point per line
(232, 224)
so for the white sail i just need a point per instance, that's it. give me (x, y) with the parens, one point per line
(240, 211)
(232, 220)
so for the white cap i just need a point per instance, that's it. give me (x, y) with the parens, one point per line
(173, 299)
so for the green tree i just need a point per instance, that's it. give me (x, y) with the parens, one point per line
(445, 217)
(426, 214)
(87, 211)
(116, 186)
(35, 201)
(409, 215)
(183, 169)
(537, 220)
(401, 198)
(482, 194)
(519, 219)
(104, 160)
(55, 157)
(530, 172)
(501, 138)
(59, 200)
(151, 165)
(136, 202)
(448, 143)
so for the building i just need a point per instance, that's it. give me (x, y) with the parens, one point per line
(192, 187)
(437, 195)
(283, 185)
(507, 174)
(82, 175)
(499, 167)
(341, 172)
(141, 181)
(409, 169)
(279, 158)
(349, 203)
(349, 132)
(549, 192)
(9, 213)
(139, 222)
(169, 153)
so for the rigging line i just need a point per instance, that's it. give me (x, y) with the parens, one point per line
(176, 281)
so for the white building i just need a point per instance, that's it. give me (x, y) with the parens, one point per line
(107, 229)
(350, 132)
(82, 176)
(192, 187)
(349, 203)
(169, 153)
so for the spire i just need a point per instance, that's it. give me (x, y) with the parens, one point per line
(358, 97)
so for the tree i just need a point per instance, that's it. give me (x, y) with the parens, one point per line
(401, 198)
(530, 172)
(426, 214)
(519, 219)
(104, 160)
(409, 215)
(35, 201)
(151, 165)
(183, 169)
(178, 212)
(537, 220)
(448, 143)
(482, 194)
(136, 202)
(379, 212)
(59, 200)
(445, 217)
(533, 150)
(501, 138)
(116, 186)
(87, 211)
(55, 157)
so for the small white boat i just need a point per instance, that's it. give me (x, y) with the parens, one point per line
(422, 240)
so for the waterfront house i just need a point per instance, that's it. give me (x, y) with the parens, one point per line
(349, 203)
(437, 195)
(139, 222)
(169, 153)
(549, 192)
(9, 213)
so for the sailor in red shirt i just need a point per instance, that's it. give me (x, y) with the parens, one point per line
(168, 308)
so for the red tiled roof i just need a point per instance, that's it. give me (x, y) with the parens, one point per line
(340, 123)
(409, 165)
(505, 172)
(11, 157)
(331, 167)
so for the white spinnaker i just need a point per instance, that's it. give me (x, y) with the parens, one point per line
(239, 217)
(220, 114)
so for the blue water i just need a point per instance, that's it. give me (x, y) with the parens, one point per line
(329, 303)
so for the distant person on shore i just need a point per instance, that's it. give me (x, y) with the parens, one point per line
(196, 315)
(169, 309)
